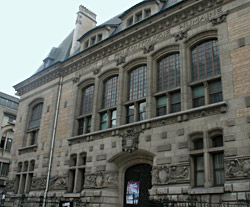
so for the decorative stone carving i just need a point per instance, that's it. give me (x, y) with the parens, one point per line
(149, 48)
(130, 140)
(165, 174)
(38, 183)
(97, 70)
(10, 185)
(58, 183)
(101, 179)
(238, 168)
(220, 18)
(76, 78)
(121, 59)
(181, 34)
(112, 179)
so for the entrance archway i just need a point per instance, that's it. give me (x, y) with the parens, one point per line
(136, 185)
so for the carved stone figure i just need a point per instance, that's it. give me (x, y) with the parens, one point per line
(10, 185)
(238, 168)
(130, 140)
(111, 179)
(149, 48)
(58, 183)
(38, 183)
(76, 78)
(120, 60)
(97, 70)
(181, 34)
(220, 18)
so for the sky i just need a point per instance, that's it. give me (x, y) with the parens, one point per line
(30, 28)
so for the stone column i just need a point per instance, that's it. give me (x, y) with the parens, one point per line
(151, 105)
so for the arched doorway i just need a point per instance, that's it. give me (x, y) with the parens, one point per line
(137, 182)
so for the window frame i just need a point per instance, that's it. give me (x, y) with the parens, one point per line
(85, 114)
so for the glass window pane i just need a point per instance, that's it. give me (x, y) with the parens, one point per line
(162, 101)
(198, 91)
(5, 169)
(205, 60)
(8, 144)
(137, 83)
(168, 72)
(110, 92)
(198, 144)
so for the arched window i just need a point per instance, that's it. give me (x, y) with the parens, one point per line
(205, 72)
(205, 60)
(168, 72)
(87, 100)
(168, 85)
(36, 116)
(137, 85)
(110, 91)
(137, 82)
(84, 120)
(110, 94)
(34, 122)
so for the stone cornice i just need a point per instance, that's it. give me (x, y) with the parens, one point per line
(143, 34)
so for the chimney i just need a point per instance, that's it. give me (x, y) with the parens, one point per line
(86, 20)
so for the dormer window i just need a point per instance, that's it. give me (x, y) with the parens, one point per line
(86, 44)
(130, 21)
(93, 39)
(147, 12)
(138, 16)
(99, 37)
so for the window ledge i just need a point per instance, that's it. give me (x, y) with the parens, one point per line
(115, 130)
(31, 148)
(211, 190)
(72, 195)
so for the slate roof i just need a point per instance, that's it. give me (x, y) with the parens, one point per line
(62, 52)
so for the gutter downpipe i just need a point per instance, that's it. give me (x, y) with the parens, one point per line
(53, 140)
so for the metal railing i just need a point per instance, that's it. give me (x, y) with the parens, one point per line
(23, 201)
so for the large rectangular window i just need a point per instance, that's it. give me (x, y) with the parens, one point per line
(198, 96)
(199, 170)
(104, 121)
(219, 175)
(175, 102)
(215, 92)
(130, 114)
(161, 108)
(142, 111)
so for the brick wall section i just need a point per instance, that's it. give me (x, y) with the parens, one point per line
(239, 27)
(241, 71)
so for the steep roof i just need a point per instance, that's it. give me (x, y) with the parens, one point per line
(62, 52)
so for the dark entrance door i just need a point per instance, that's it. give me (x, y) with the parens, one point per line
(137, 183)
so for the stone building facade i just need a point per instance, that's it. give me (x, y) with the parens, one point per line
(8, 112)
(155, 100)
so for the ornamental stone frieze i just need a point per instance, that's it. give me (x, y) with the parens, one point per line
(238, 168)
(130, 139)
(10, 185)
(168, 174)
(58, 183)
(101, 179)
(38, 183)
